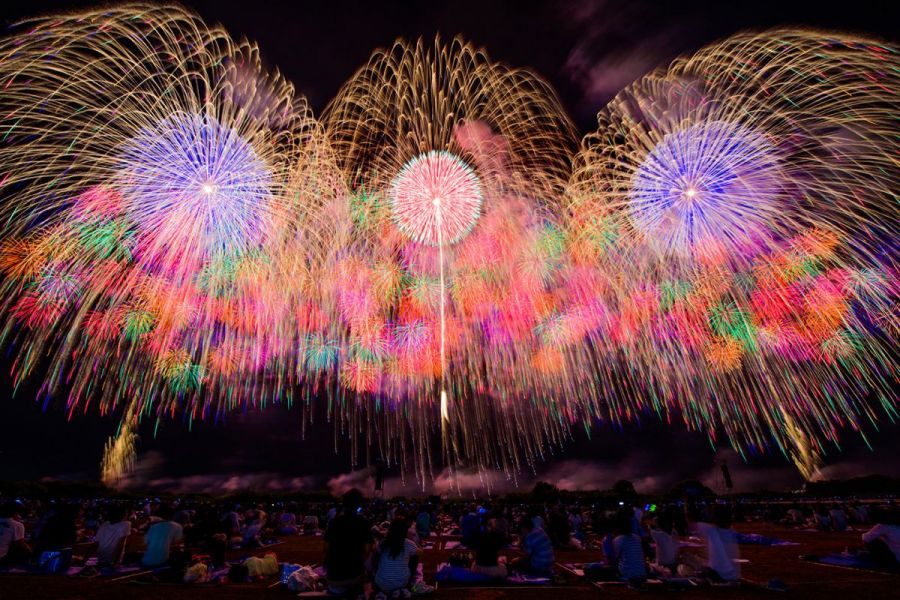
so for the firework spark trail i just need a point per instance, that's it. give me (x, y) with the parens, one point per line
(436, 199)
(169, 199)
(180, 238)
(457, 165)
(747, 187)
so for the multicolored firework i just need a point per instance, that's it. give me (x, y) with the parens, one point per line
(436, 199)
(746, 187)
(702, 183)
(163, 205)
(455, 163)
(181, 238)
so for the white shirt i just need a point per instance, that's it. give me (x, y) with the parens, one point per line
(722, 548)
(160, 538)
(889, 533)
(10, 531)
(109, 535)
(666, 547)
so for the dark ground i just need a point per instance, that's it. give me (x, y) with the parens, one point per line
(806, 580)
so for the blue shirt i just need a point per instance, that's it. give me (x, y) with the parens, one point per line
(539, 549)
(160, 538)
(470, 527)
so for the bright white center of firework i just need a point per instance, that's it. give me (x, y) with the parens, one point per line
(710, 182)
(436, 198)
(194, 184)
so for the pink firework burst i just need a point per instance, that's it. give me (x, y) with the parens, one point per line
(436, 198)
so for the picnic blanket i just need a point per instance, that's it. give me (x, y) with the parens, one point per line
(762, 540)
(447, 573)
(849, 561)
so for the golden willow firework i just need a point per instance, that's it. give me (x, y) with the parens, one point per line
(162, 210)
(744, 200)
(456, 165)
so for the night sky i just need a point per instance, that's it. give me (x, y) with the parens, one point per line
(587, 51)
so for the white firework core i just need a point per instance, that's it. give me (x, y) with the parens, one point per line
(436, 199)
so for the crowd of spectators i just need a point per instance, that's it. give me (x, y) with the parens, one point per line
(379, 545)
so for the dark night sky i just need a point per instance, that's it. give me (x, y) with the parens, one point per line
(587, 50)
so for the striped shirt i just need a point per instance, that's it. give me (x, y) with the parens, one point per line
(630, 556)
(539, 550)
(393, 571)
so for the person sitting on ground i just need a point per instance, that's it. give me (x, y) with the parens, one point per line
(398, 559)
(796, 516)
(331, 514)
(60, 530)
(111, 536)
(538, 550)
(470, 527)
(662, 530)
(231, 522)
(260, 514)
(183, 515)
(721, 546)
(13, 548)
(883, 540)
(853, 514)
(348, 541)
(500, 524)
(537, 520)
(576, 521)
(487, 552)
(250, 536)
(838, 518)
(287, 522)
(423, 523)
(820, 519)
(627, 550)
(310, 524)
(162, 538)
(558, 528)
